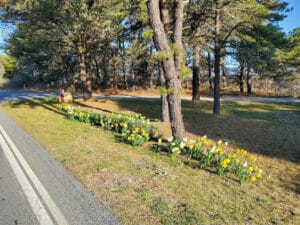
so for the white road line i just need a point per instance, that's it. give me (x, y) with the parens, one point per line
(35, 203)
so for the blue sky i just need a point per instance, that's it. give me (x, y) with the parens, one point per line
(293, 19)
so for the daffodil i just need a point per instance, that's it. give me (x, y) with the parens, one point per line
(253, 179)
(176, 149)
(159, 141)
(225, 163)
(233, 155)
(191, 146)
(170, 139)
(182, 145)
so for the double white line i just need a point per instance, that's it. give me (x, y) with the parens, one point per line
(20, 167)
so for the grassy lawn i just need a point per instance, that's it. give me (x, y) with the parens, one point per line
(143, 187)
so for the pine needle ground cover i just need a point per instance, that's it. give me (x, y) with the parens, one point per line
(144, 187)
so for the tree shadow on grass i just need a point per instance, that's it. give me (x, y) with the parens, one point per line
(45, 103)
(260, 130)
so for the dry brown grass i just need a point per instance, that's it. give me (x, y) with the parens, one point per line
(142, 187)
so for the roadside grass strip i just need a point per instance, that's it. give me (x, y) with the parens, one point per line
(135, 129)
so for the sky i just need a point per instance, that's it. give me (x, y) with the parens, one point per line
(288, 24)
(293, 19)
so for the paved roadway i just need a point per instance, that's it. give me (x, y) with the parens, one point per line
(8, 95)
(228, 99)
(36, 189)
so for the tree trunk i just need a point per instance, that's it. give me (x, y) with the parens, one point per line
(216, 108)
(223, 66)
(132, 76)
(98, 75)
(115, 72)
(84, 76)
(209, 71)
(165, 117)
(196, 73)
(249, 82)
(125, 83)
(169, 67)
(217, 54)
(178, 28)
(241, 78)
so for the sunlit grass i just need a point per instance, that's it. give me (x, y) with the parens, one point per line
(143, 187)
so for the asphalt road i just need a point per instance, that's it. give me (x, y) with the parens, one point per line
(36, 189)
(13, 203)
(8, 95)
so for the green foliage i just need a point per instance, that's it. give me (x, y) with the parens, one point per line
(10, 65)
(260, 55)
(185, 71)
(162, 56)
(147, 34)
(175, 49)
(288, 57)
(163, 90)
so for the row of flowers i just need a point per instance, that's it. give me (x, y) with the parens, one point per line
(136, 130)
(210, 155)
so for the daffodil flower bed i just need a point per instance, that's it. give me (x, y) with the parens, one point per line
(210, 155)
(135, 129)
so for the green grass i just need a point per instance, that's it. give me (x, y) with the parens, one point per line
(143, 187)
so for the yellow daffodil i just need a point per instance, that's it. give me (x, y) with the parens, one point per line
(233, 155)
(244, 152)
(225, 163)
(253, 179)
(159, 141)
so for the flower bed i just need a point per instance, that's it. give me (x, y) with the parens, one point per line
(211, 155)
(136, 130)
